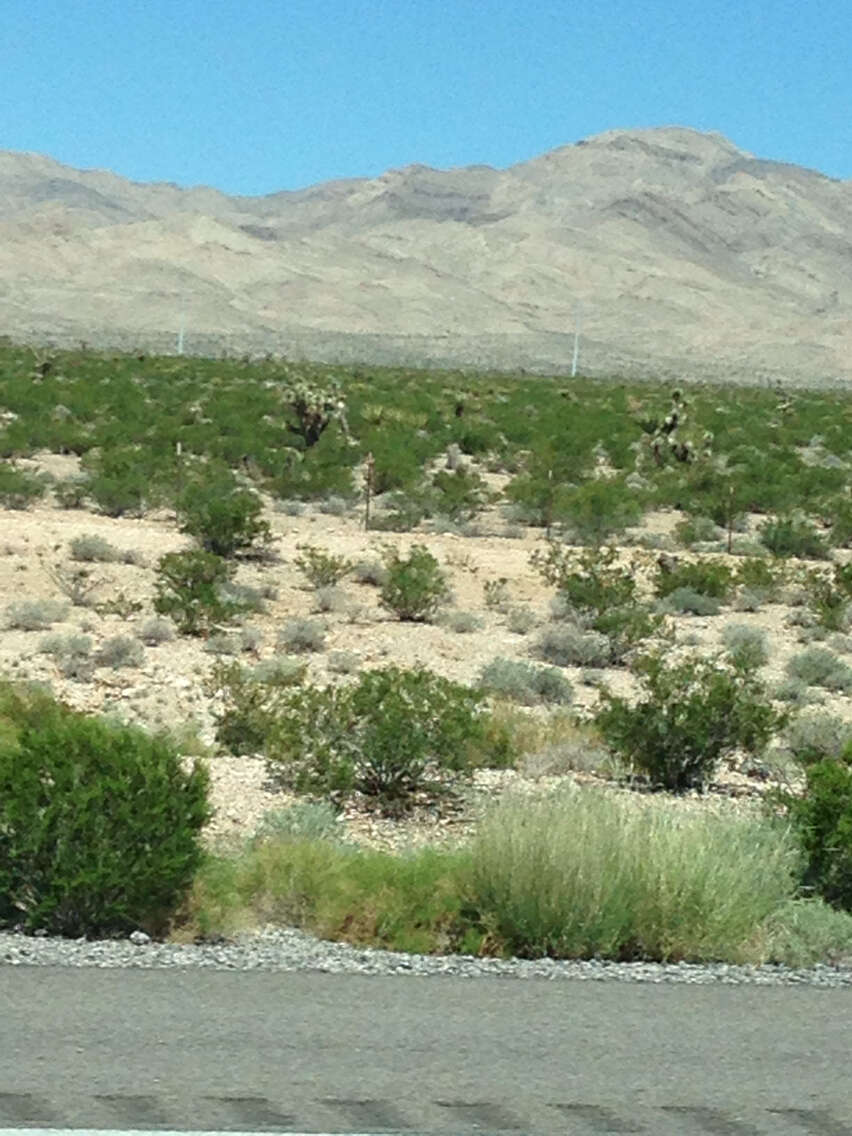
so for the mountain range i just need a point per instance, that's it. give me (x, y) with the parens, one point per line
(669, 251)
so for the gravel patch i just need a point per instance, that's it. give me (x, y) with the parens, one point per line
(288, 949)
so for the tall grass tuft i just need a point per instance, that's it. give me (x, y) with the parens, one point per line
(584, 873)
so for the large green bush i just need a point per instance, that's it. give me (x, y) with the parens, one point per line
(415, 585)
(389, 735)
(190, 589)
(99, 823)
(691, 715)
(822, 820)
(224, 518)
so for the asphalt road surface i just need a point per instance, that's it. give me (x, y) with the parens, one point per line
(308, 1052)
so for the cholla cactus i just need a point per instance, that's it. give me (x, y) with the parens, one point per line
(315, 408)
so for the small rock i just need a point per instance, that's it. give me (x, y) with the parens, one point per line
(139, 938)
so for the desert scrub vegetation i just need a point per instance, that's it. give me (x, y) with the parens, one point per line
(581, 874)
(222, 516)
(18, 488)
(191, 589)
(817, 666)
(36, 615)
(79, 798)
(415, 585)
(690, 715)
(321, 568)
(523, 682)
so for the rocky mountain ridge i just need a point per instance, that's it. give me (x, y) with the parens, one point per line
(678, 252)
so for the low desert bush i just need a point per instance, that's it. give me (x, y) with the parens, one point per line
(371, 572)
(520, 620)
(249, 701)
(99, 824)
(36, 615)
(818, 666)
(462, 622)
(302, 820)
(62, 646)
(343, 662)
(302, 636)
(320, 568)
(120, 651)
(686, 601)
(569, 645)
(747, 646)
(415, 586)
(152, 632)
(815, 737)
(93, 549)
(707, 577)
(18, 488)
(697, 530)
(329, 599)
(691, 714)
(522, 682)
(793, 536)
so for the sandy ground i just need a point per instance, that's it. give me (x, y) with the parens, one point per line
(167, 688)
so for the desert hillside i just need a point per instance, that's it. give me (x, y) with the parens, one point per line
(686, 254)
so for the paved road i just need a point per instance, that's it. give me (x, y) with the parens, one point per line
(304, 1052)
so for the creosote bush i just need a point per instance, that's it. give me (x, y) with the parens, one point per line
(793, 536)
(389, 736)
(223, 517)
(415, 586)
(691, 715)
(99, 823)
(190, 590)
(321, 568)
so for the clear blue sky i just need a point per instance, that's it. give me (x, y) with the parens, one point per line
(253, 96)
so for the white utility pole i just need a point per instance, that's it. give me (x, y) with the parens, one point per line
(578, 318)
(180, 335)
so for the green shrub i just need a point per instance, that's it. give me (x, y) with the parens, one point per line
(708, 577)
(830, 596)
(71, 494)
(66, 645)
(746, 646)
(596, 510)
(696, 530)
(189, 589)
(371, 572)
(415, 585)
(692, 714)
(817, 666)
(525, 683)
(822, 821)
(302, 635)
(19, 489)
(791, 536)
(589, 581)
(224, 518)
(250, 701)
(321, 568)
(99, 824)
(120, 482)
(459, 494)
(388, 736)
(760, 573)
(520, 620)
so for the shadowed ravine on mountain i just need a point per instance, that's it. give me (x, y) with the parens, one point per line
(687, 255)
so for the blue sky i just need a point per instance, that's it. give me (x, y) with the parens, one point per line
(254, 96)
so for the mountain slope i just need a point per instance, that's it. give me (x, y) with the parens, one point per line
(684, 252)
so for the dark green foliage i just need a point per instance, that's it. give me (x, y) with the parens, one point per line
(415, 586)
(250, 703)
(189, 589)
(790, 536)
(830, 596)
(123, 481)
(223, 517)
(597, 509)
(708, 577)
(387, 736)
(99, 824)
(321, 568)
(690, 716)
(762, 574)
(822, 820)
(459, 494)
(19, 489)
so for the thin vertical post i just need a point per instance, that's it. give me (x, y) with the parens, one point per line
(578, 316)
